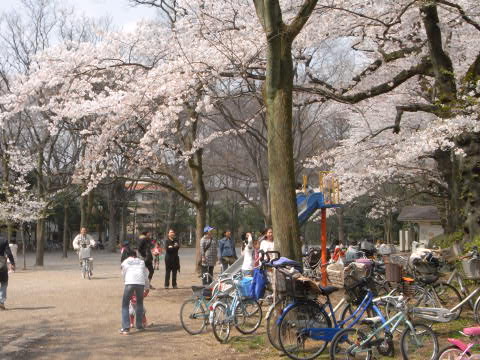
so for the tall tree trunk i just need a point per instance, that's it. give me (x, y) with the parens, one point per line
(123, 224)
(195, 164)
(278, 101)
(65, 230)
(449, 166)
(83, 211)
(24, 249)
(470, 143)
(40, 242)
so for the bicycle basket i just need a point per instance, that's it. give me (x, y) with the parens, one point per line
(201, 291)
(244, 285)
(356, 291)
(335, 273)
(399, 259)
(427, 278)
(299, 287)
(471, 269)
(425, 268)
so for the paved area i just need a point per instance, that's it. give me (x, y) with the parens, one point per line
(52, 313)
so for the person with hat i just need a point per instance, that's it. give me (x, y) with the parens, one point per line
(208, 251)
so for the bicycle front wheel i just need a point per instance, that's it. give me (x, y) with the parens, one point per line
(221, 323)
(420, 344)
(248, 316)
(294, 331)
(344, 345)
(193, 316)
(452, 352)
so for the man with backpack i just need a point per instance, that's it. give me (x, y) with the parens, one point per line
(208, 251)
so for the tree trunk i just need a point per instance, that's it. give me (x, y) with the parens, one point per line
(448, 166)
(123, 225)
(40, 242)
(470, 143)
(83, 211)
(65, 230)
(280, 148)
(195, 164)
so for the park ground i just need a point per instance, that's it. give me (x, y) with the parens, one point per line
(54, 314)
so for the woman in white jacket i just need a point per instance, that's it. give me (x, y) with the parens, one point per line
(135, 276)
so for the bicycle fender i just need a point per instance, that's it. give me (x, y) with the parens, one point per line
(458, 343)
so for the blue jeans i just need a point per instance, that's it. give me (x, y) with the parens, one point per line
(127, 294)
(3, 292)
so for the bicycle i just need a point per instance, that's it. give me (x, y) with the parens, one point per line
(418, 341)
(306, 319)
(86, 268)
(458, 350)
(195, 311)
(237, 309)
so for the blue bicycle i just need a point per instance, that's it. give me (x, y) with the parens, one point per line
(305, 329)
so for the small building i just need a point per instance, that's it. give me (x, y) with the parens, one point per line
(428, 224)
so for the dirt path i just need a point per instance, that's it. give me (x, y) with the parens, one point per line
(54, 314)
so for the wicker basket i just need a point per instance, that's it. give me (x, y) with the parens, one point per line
(335, 273)
(471, 269)
(401, 260)
(393, 272)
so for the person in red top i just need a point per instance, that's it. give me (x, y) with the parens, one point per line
(338, 253)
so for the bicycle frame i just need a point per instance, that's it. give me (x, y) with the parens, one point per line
(441, 314)
(397, 319)
(327, 334)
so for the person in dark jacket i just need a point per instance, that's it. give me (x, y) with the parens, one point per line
(145, 252)
(172, 261)
(4, 252)
(226, 250)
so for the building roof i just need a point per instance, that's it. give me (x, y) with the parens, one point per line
(419, 213)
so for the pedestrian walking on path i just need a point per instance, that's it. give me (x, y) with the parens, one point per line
(226, 250)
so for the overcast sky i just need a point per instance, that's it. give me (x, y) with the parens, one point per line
(122, 14)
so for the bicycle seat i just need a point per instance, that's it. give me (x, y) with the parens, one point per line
(327, 290)
(473, 331)
(197, 288)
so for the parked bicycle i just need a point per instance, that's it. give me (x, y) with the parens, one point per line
(458, 350)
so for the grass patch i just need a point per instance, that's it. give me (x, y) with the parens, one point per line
(247, 343)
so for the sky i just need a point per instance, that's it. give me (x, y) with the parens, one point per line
(123, 15)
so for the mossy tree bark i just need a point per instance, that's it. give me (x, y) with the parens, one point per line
(278, 100)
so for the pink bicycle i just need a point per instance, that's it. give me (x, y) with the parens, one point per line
(458, 350)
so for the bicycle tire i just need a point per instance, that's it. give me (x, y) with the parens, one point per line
(476, 311)
(451, 352)
(412, 351)
(84, 273)
(273, 314)
(246, 310)
(198, 308)
(221, 323)
(299, 316)
(449, 296)
(339, 339)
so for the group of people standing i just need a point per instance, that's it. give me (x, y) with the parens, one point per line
(224, 253)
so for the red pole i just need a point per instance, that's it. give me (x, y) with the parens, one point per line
(324, 246)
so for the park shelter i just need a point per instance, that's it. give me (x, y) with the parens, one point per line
(427, 220)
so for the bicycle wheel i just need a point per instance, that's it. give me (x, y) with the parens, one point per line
(89, 272)
(476, 310)
(422, 344)
(221, 323)
(248, 316)
(452, 352)
(273, 314)
(84, 270)
(294, 328)
(193, 316)
(344, 345)
(448, 296)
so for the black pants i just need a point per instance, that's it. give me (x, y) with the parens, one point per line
(170, 268)
(207, 279)
(149, 265)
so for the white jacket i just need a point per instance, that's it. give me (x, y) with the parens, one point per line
(77, 245)
(134, 272)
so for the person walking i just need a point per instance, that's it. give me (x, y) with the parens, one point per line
(135, 277)
(208, 251)
(249, 255)
(13, 248)
(172, 260)
(4, 253)
(226, 250)
(145, 252)
(267, 243)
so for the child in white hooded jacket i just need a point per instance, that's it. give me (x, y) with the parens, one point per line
(135, 276)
